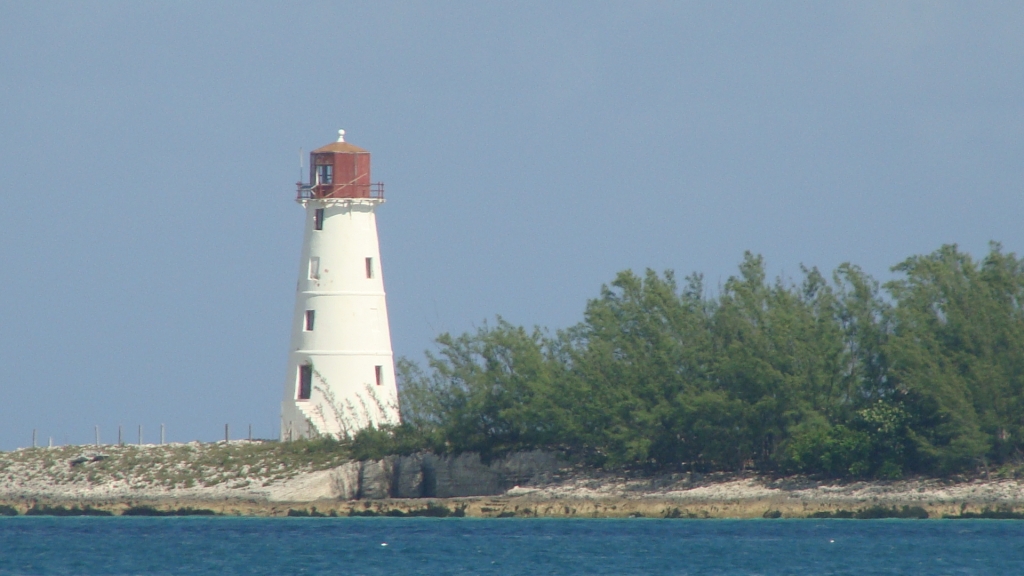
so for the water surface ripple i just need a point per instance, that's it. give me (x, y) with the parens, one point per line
(378, 546)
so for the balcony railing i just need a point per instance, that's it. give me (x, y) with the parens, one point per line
(329, 191)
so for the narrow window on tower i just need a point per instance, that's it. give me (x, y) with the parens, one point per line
(318, 219)
(314, 268)
(369, 267)
(380, 374)
(325, 173)
(305, 381)
(310, 316)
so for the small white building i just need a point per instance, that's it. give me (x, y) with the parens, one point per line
(341, 373)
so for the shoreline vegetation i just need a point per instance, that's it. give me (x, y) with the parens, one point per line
(840, 377)
(308, 478)
(496, 508)
(829, 397)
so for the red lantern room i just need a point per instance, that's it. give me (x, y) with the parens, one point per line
(340, 170)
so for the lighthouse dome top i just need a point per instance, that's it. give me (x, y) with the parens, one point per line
(340, 147)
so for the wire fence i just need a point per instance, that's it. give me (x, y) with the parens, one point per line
(138, 439)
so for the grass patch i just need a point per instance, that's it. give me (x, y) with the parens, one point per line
(175, 466)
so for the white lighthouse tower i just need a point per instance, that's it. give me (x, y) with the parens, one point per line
(341, 374)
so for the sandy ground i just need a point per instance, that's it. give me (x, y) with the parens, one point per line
(185, 471)
(49, 479)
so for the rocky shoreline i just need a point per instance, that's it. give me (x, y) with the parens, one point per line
(236, 479)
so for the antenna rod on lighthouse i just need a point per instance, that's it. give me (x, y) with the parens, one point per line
(300, 164)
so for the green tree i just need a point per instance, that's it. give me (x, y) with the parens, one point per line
(641, 351)
(958, 353)
(488, 392)
(779, 350)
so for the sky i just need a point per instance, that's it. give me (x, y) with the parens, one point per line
(149, 238)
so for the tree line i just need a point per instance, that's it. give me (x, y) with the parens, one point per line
(839, 375)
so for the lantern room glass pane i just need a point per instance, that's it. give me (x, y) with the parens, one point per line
(325, 173)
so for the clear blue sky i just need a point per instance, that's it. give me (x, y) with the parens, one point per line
(149, 243)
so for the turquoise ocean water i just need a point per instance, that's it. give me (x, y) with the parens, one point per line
(349, 546)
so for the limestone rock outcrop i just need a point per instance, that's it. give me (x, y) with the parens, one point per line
(427, 475)
(375, 479)
(408, 477)
(345, 480)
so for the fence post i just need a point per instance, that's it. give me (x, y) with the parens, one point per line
(33, 437)
(120, 435)
(225, 432)
(97, 429)
(140, 434)
(162, 437)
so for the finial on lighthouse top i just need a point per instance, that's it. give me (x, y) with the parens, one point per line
(340, 146)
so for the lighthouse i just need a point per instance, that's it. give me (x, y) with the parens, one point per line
(341, 372)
